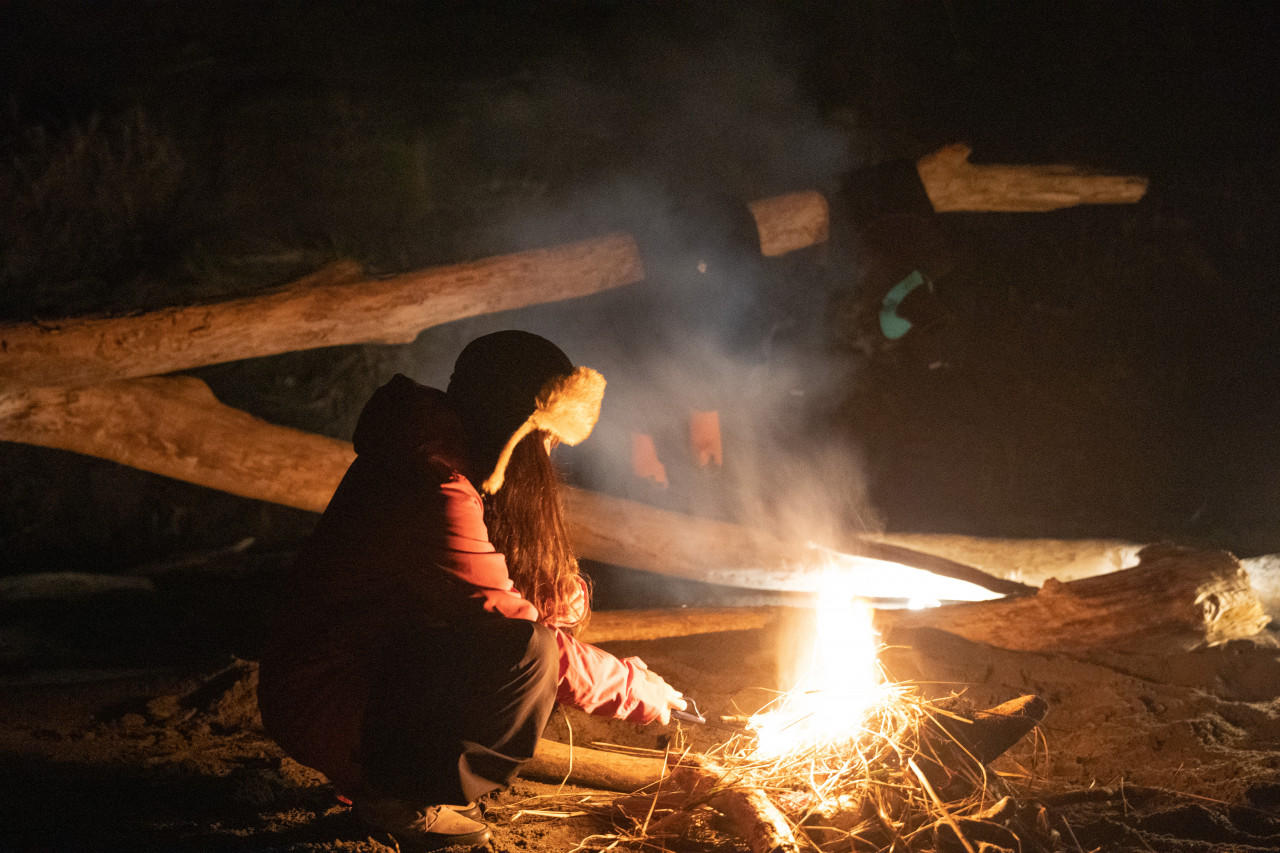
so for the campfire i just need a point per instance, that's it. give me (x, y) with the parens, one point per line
(846, 759)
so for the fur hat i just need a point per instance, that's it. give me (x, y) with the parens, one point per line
(508, 384)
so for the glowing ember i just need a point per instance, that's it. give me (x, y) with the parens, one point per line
(841, 682)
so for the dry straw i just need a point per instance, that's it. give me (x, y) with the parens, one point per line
(900, 782)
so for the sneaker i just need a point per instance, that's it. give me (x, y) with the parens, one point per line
(424, 828)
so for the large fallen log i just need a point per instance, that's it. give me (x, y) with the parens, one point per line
(336, 305)
(627, 533)
(339, 304)
(175, 426)
(1174, 597)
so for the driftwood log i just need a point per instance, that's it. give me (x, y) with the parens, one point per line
(627, 533)
(955, 184)
(339, 304)
(336, 305)
(174, 426)
(1174, 596)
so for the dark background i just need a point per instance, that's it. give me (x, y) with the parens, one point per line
(1092, 372)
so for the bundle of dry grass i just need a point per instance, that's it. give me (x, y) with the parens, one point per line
(912, 777)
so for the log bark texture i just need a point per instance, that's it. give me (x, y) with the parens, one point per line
(336, 305)
(993, 732)
(174, 426)
(955, 184)
(556, 762)
(1174, 596)
(757, 820)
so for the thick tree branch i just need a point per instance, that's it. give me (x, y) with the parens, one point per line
(336, 305)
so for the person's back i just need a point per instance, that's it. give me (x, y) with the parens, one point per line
(404, 663)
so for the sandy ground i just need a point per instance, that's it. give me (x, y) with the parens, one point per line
(1171, 752)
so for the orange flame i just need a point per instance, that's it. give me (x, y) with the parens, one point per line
(841, 678)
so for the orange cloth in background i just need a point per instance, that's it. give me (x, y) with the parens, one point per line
(645, 463)
(704, 438)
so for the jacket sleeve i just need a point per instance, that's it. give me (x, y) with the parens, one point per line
(472, 557)
(601, 684)
(589, 678)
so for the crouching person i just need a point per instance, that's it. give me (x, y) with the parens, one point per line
(427, 628)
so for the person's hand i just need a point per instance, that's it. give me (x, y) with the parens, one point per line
(669, 698)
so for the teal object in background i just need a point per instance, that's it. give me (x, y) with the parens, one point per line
(891, 324)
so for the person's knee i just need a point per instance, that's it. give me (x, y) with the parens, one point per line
(534, 647)
(543, 652)
(519, 645)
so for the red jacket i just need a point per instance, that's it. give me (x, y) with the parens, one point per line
(404, 534)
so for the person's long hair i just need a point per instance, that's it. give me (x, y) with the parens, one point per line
(526, 523)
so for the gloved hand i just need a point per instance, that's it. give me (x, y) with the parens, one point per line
(668, 697)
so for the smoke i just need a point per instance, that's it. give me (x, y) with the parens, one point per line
(669, 145)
